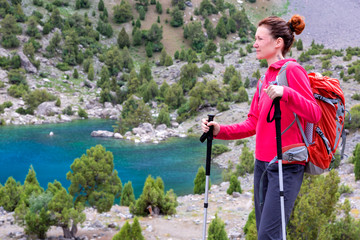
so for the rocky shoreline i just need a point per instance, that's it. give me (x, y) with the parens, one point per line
(145, 133)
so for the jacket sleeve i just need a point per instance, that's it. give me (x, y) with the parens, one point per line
(298, 96)
(244, 129)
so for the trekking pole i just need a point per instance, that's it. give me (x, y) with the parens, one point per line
(209, 137)
(277, 116)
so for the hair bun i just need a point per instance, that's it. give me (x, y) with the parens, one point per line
(297, 24)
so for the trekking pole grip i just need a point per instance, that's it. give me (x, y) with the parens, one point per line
(204, 136)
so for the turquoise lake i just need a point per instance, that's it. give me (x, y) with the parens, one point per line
(176, 160)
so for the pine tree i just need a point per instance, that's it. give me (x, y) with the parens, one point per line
(123, 12)
(104, 80)
(164, 116)
(356, 161)
(151, 91)
(123, 39)
(127, 195)
(217, 230)
(221, 28)
(136, 230)
(58, 102)
(75, 74)
(63, 211)
(158, 7)
(153, 195)
(91, 73)
(94, 179)
(168, 61)
(162, 57)
(10, 194)
(138, 23)
(124, 233)
(8, 30)
(235, 82)
(101, 5)
(149, 49)
(176, 54)
(234, 185)
(247, 162)
(177, 17)
(199, 181)
(299, 45)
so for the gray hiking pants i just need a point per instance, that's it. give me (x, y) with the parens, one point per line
(268, 216)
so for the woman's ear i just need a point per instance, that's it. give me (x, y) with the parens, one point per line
(279, 42)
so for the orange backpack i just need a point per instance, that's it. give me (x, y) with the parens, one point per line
(321, 139)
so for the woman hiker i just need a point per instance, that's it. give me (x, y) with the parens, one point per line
(273, 39)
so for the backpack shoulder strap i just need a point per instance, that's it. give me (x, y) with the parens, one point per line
(261, 81)
(281, 80)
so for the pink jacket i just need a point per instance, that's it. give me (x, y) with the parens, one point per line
(297, 98)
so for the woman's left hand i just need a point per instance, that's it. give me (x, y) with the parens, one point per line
(274, 91)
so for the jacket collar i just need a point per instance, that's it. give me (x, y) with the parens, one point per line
(277, 65)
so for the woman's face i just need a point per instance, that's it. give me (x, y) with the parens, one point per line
(265, 44)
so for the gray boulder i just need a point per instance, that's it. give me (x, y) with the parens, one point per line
(102, 133)
(147, 127)
(29, 67)
(47, 108)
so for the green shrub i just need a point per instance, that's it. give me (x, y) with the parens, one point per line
(234, 185)
(327, 73)
(335, 163)
(68, 111)
(153, 195)
(242, 95)
(355, 118)
(344, 189)
(7, 104)
(217, 230)
(23, 111)
(256, 74)
(18, 91)
(299, 45)
(17, 76)
(63, 66)
(247, 162)
(10, 194)
(250, 227)
(164, 116)
(134, 112)
(218, 149)
(38, 96)
(103, 184)
(130, 232)
(82, 113)
(326, 64)
(58, 102)
(320, 191)
(356, 161)
(207, 69)
(200, 181)
(127, 195)
(304, 57)
(222, 106)
(263, 63)
(314, 214)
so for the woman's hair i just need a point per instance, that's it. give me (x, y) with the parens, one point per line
(280, 28)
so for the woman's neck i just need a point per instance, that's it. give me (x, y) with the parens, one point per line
(275, 58)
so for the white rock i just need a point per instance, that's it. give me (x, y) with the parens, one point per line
(118, 136)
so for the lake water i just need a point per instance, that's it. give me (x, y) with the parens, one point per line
(176, 160)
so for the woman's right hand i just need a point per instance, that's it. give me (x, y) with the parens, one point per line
(205, 126)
